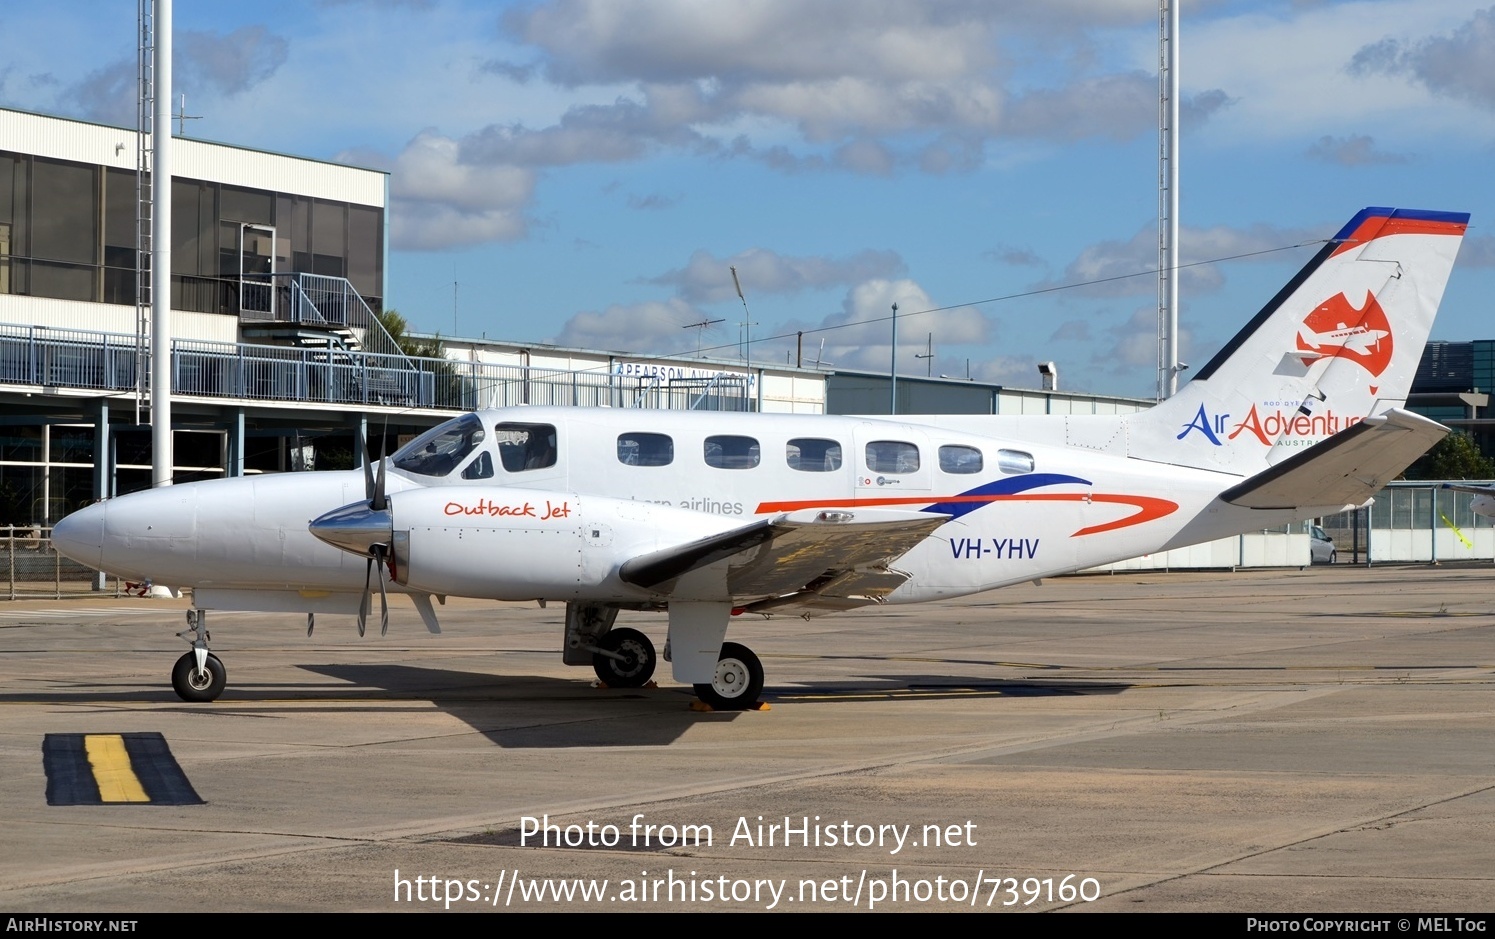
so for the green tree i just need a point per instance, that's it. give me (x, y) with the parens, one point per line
(449, 388)
(399, 329)
(1456, 456)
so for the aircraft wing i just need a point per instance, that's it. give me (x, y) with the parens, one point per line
(1488, 489)
(807, 561)
(1346, 469)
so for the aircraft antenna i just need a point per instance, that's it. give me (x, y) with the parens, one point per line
(893, 367)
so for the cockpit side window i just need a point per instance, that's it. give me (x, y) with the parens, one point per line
(480, 468)
(524, 447)
(441, 449)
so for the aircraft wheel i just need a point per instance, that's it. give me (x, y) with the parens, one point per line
(738, 681)
(194, 685)
(637, 665)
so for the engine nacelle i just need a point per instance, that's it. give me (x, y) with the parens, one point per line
(527, 544)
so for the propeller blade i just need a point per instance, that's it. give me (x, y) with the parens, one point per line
(377, 502)
(363, 604)
(383, 597)
(311, 623)
(368, 466)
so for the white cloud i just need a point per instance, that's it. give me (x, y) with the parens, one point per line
(1307, 85)
(1122, 268)
(707, 278)
(1460, 64)
(437, 201)
(860, 335)
(1356, 150)
(651, 327)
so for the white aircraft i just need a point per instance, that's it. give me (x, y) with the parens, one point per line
(706, 515)
(1483, 502)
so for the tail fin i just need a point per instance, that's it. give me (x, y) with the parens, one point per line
(1339, 343)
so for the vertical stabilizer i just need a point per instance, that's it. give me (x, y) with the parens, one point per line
(1339, 343)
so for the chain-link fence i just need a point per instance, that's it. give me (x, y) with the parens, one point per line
(34, 570)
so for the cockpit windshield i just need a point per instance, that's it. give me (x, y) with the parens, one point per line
(441, 449)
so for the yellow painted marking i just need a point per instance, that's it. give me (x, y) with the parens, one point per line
(1453, 528)
(112, 770)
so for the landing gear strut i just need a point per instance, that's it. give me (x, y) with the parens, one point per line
(198, 675)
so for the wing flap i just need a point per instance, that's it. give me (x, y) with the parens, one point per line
(1346, 469)
(837, 552)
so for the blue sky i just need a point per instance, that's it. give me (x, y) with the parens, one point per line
(586, 171)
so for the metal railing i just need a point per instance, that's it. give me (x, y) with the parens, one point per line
(322, 300)
(66, 358)
(81, 359)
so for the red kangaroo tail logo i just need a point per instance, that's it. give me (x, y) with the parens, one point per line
(1337, 330)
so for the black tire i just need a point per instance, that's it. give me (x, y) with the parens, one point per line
(1333, 556)
(637, 665)
(738, 682)
(192, 685)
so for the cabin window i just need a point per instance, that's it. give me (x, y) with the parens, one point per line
(441, 449)
(1014, 461)
(813, 455)
(955, 458)
(481, 468)
(525, 446)
(732, 452)
(892, 456)
(639, 449)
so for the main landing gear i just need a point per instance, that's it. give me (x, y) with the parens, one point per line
(198, 675)
(738, 681)
(624, 658)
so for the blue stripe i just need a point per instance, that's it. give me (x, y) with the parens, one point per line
(1002, 487)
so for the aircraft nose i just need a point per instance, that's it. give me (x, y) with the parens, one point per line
(354, 528)
(80, 536)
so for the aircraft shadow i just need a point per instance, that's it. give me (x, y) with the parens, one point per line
(904, 685)
(530, 712)
(527, 712)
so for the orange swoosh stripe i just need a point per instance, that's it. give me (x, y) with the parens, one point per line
(1148, 508)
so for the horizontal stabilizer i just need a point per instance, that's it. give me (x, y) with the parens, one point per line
(794, 552)
(1346, 469)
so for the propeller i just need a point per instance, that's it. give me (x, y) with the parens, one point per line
(374, 489)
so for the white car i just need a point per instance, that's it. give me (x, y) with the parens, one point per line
(1321, 546)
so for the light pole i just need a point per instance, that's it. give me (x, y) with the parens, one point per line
(893, 365)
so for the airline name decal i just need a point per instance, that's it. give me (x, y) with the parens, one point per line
(1295, 428)
(491, 509)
